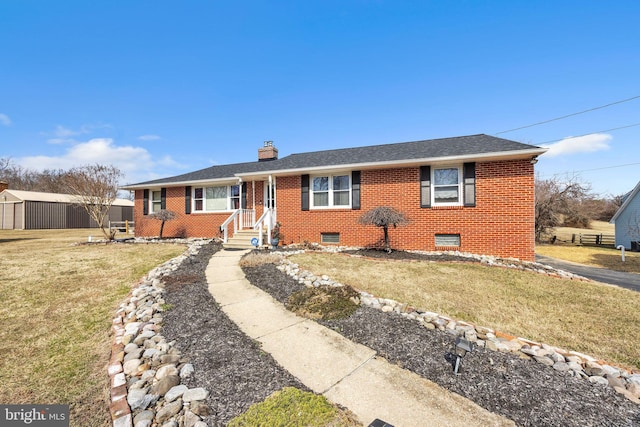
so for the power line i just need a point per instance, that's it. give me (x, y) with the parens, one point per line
(590, 133)
(594, 169)
(569, 115)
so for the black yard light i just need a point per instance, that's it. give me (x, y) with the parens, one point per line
(463, 346)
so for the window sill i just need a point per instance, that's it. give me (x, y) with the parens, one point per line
(211, 212)
(447, 207)
(329, 208)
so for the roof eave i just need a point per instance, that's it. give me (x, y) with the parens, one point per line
(178, 183)
(504, 155)
(501, 155)
(626, 203)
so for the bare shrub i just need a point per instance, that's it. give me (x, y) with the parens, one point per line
(256, 259)
(384, 216)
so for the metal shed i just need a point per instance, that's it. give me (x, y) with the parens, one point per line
(31, 210)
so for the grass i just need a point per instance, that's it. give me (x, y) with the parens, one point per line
(291, 407)
(57, 300)
(590, 255)
(592, 318)
(596, 227)
(593, 256)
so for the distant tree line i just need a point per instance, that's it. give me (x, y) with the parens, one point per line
(20, 178)
(569, 202)
(94, 187)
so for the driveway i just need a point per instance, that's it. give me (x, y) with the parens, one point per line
(603, 275)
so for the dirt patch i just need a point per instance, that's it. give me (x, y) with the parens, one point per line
(324, 302)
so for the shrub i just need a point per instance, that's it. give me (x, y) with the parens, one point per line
(256, 259)
(291, 407)
(324, 302)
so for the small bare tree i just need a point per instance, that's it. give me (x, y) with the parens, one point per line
(163, 215)
(555, 199)
(95, 188)
(384, 216)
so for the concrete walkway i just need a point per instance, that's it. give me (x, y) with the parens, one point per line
(618, 278)
(347, 373)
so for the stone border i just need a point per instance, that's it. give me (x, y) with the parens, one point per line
(571, 362)
(145, 370)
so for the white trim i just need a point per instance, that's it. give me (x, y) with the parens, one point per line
(503, 155)
(152, 200)
(229, 208)
(621, 209)
(330, 191)
(486, 157)
(460, 201)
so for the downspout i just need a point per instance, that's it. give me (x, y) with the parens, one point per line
(275, 215)
(270, 197)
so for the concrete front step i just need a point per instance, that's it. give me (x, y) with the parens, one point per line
(242, 239)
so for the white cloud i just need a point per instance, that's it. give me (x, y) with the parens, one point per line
(63, 132)
(148, 137)
(63, 135)
(135, 162)
(580, 144)
(5, 120)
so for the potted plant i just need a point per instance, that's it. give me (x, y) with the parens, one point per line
(275, 235)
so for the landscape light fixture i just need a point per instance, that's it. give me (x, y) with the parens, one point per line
(379, 423)
(463, 346)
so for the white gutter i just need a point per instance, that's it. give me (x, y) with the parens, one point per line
(500, 155)
(228, 180)
(503, 155)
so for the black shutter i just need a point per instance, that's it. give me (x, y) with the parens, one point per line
(425, 186)
(187, 199)
(305, 192)
(163, 198)
(469, 180)
(243, 196)
(145, 202)
(355, 190)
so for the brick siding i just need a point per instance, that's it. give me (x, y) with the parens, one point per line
(501, 223)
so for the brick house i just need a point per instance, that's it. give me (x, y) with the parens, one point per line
(470, 193)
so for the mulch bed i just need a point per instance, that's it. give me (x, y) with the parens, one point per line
(227, 362)
(237, 373)
(409, 256)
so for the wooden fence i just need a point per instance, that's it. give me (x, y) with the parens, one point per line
(122, 226)
(608, 240)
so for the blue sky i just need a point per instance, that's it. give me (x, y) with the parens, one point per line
(160, 88)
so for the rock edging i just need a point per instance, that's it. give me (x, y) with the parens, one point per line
(573, 363)
(145, 371)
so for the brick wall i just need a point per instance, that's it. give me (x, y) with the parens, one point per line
(501, 223)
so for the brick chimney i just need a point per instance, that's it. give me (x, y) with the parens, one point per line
(3, 186)
(267, 152)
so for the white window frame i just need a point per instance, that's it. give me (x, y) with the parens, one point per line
(330, 191)
(227, 208)
(153, 201)
(434, 186)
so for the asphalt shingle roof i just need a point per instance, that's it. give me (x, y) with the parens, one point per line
(427, 149)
